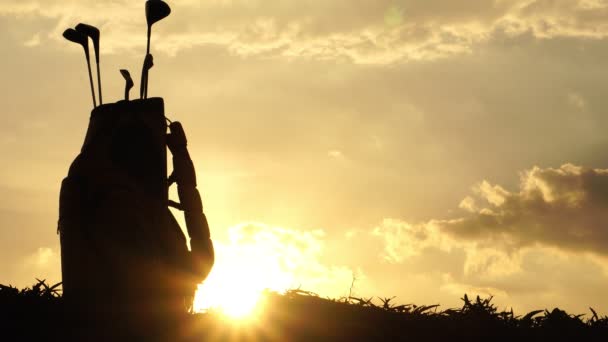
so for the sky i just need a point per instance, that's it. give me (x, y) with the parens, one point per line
(418, 149)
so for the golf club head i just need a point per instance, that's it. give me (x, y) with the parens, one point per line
(129, 84)
(156, 10)
(82, 39)
(93, 33)
(127, 77)
(78, 38)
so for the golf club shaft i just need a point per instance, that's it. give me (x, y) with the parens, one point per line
(149, 35)
(143, 81)
(144, 72)
(91, 81)
(147, 53)
(98, 79)
(147, 79)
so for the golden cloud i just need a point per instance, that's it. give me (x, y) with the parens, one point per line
(557, 208)
(259, 257)
(366, 32)
(561, 207)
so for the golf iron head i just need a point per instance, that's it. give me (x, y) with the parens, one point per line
(129, 84)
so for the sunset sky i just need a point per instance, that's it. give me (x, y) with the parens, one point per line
(426, 148)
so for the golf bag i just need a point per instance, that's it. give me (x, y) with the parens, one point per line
(124, 258)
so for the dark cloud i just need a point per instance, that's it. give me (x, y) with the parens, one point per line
(564, 207)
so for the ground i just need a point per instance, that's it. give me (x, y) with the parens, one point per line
(37, 313)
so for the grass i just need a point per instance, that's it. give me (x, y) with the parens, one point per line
(36, 313)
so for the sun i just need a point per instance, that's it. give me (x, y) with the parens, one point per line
(256, 259)
(236, 301)
(239, 278)
(242, 305)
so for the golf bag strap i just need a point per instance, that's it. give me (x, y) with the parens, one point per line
(190, 201)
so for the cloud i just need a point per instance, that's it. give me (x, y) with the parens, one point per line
(577, 100)
(366, 32)
(523, 247)
(43, 258)
(297, 254)
(403, 240)
(456, 288)
(34, 41)
(275, 258)
(563, 207)
(335, 154)
(44, 263)
(555, 208)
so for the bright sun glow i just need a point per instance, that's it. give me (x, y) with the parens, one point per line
(224, 291)
(259, 258)
(243, 270)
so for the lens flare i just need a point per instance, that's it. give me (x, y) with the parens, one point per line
(243, 271)
(259, 258)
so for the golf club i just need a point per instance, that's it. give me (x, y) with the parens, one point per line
(129, 85)
(93, 33)
(79, 38)
(148, 64)
(156, 10)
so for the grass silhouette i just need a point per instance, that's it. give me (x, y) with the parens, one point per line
(37, 313)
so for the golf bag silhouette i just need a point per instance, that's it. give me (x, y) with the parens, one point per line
(124, 259)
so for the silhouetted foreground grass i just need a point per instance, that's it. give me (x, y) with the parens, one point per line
(36, 314)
